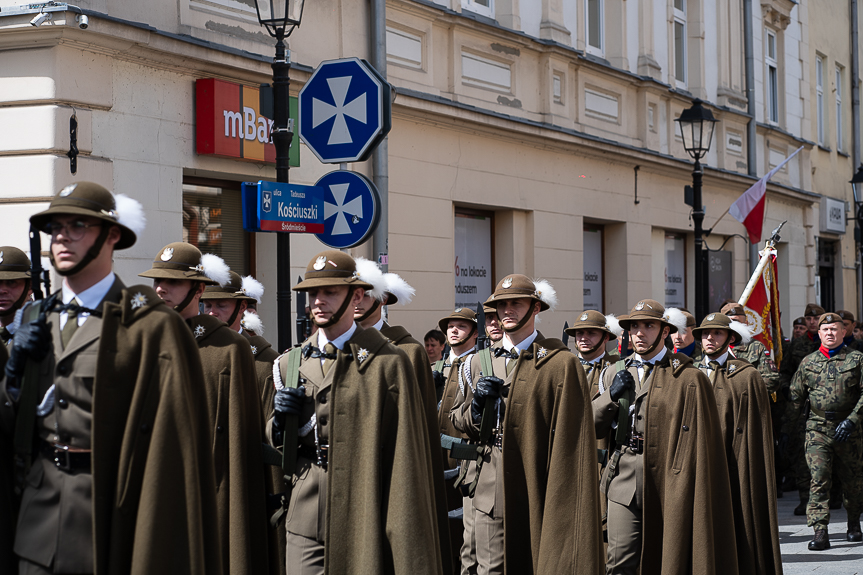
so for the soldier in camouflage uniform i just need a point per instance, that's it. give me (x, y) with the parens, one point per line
(685, 342)
(754, 352)
(848, 322)
(797, 350)
(831, 380)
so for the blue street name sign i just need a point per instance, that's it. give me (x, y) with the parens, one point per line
(345, 110)
(275, 207)
(351, 209)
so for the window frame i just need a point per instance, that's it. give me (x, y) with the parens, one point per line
(679, 18)
(771, 79)
(819, 100)
(588, 47)
(840, 134)
(477, 7)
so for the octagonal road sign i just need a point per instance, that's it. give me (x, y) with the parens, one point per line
(351, 209)
(345, 110)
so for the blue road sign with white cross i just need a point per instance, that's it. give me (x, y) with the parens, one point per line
(351, 209)
(345, 110)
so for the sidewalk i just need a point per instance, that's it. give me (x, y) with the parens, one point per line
(843, 558)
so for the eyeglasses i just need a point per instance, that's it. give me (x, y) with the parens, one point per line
(73, 230)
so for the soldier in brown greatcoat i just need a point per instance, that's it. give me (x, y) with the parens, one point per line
(685, 342)
(492, 324)
(363, 492)
(180, 273)
(121, 478)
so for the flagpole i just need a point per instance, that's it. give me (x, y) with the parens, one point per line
(769, 251)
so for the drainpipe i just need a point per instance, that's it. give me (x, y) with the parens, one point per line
(855, 136)
(751, 156)
(380, 157)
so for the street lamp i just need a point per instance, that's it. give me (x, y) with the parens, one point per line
(280, 17)
(696, 129)
(857, 188)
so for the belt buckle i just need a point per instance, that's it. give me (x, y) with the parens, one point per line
(830, 415)
(61, 457)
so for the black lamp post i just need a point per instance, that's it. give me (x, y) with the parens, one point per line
(696, 128)
(280, 17)
(857, 188)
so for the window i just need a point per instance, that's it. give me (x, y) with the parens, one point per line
(595, 26)
(839, 133)
(484, 7)
(819, 98)
(675, 270)
(680, 42)
(593, 291)
(772, 80)
(213, 222)
(474, 257)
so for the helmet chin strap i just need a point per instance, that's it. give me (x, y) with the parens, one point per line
(593, 350)
(368, 312)
(234, 315)
(188, 299)
(91, 254)
(523, 322)
(339, 312)
(464, 339)
(724, 347)
(653, 346)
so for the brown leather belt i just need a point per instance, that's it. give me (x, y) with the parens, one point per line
(831, 415)
(66, 457)
(636, 443)
(311, 453)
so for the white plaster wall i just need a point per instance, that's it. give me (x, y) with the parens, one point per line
(531, 16)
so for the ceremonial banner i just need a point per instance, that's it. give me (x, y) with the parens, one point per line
(762, 307)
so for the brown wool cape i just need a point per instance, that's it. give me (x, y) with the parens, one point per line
(8, 507)
(688, 522)
(744, 415)
(551, 493)
(380, 495)
(153, 490)
(265, 355)
(236, 435)
(416, 352)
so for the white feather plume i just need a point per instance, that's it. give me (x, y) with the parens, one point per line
(253, 288)
(369, 272)
(546, 293)
(252, 322)
(742, 330)
(676, 318)
(130, 213)
(613, 325)
(399, 288)
(215, 268)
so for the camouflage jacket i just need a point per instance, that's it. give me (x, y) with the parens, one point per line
(832, 384)
(755, 353)
(797, 350)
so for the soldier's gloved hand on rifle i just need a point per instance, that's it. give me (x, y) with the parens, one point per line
(288, 401)
(782, 442)
(439, 379)
(844, 430)
(622, 381)
(32, 340)
(487, 388)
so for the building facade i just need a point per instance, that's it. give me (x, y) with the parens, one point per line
(529, 136)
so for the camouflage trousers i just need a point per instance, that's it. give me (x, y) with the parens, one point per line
(823, 455)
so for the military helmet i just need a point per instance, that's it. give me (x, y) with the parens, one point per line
(652, 310)
(397, 290)
(332, 268)
(240, 288)
(515, 286)
(183, 261)
(95, 201)
(462, 313)
(830, 317)
(488, 309)
(592, 319)
(739, 332)
(845, 315)
(813, 310)
(14, 264)
(733, 308)
(690, 319)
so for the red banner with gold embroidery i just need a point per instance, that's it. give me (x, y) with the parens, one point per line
(762, 311)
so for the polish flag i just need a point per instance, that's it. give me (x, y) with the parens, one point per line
(748, 209)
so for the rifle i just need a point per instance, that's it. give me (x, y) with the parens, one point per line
(302, 317)
(565, 338)
(38, 276)
(482, 336)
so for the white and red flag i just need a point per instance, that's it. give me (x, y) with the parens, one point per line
(748, 209)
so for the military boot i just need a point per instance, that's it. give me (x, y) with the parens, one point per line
(854, 533)
(801, 509)
(821, 541)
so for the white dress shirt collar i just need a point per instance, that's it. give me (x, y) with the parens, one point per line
(523, 345)
(380, 324)
(721, 359)
(655, 359)
(93, 295)
(340, 341)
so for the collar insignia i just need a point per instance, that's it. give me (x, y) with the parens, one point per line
(254, 350)
(139, 300)
(541, 353)
(199, 331)
(731, 368)
(167, 254)
(67, 190)
(507, 283)
(583, 317)
(640, 306)
(320, 263)
(675, 363)
(362, 354)
(711, 317)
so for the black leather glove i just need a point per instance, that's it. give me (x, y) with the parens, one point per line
(439, 379)
(782, 442)
(622, 381)
(288, 401)
(487, 387)
(32, 340)
(844, 430)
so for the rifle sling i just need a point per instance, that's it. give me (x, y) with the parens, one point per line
(291, 432)
(621, 436)
(485, 428)
(28, 400)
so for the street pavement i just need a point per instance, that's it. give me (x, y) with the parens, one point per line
(843, 558)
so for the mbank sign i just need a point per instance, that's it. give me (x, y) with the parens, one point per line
(229, 123)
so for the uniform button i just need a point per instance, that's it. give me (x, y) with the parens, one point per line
(739, 430)
(640, 417)
(220, 429)
(8, 404)
(322, 399)
(63, 403)
(323, 421)
(145, 428)
(63, 369)
(685, 428)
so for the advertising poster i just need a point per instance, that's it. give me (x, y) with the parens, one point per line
(593, 268)
(719, 279)
(473, 263)
(675, 271)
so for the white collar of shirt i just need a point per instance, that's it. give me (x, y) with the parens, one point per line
(721, 359)
(655, 359)
(380, 324)
(594, 360)
(90, 297)
(453, 356)
(523, 345)
(340, 341)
